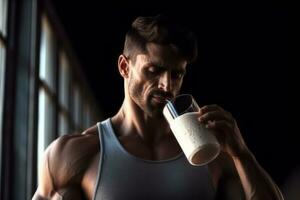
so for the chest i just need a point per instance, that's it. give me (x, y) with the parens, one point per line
(162, 150)
(165, 149)
(125, 177)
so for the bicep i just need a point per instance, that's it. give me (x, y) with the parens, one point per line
(46, 186)
(58, 177)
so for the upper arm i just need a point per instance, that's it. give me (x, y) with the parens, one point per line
(64, 164)
(59, 177)
(46, 188)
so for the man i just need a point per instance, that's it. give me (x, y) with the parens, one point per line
(134, 154)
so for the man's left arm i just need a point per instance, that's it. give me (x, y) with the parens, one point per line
(256, 183)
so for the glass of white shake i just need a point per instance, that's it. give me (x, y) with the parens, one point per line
(198, 143)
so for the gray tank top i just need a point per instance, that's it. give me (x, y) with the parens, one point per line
(123, 176)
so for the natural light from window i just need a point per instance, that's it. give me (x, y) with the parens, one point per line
(46, 113)
(3, 14)
(2, 63)
(47, 55)
(64, 81)
(64, 88)
(45, 124)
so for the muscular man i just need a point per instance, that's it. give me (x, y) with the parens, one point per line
(134, 155)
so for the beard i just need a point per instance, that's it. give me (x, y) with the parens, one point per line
(146, 100)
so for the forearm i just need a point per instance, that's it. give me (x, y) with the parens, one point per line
(257, 184)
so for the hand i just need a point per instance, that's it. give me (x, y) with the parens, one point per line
(225, 128)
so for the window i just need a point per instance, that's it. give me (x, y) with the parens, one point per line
(2, 72)
(77, 106)
(75, 113)
(3, 15)
(63, 124)
(3, 8)
(45, 122)
(47, 55)
(46, 109)
(2, 61)
(64, 80)
(64, 94)
(49, 96)
(87, 115)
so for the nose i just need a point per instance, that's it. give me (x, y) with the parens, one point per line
(165, 82)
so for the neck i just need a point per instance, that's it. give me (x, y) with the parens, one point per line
(131, 120)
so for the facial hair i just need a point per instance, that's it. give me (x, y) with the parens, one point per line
(143, 99)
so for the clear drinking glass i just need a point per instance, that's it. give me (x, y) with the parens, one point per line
(198, 143)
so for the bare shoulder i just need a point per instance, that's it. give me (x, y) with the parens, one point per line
(65, 161)
(70, 154)
(75, 145)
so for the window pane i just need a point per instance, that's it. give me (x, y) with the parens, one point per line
(86, 116)
(63, 124)
(47, 55)
(76, 106)
(2, 63)
(64, 81)
(3, 14)
(45, 123)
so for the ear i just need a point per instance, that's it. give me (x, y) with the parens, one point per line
(123, 65)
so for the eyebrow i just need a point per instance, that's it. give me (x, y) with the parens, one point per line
(155, 64)
(161, 66)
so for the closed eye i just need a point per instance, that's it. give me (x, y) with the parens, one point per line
(154, 70)
(177, 75)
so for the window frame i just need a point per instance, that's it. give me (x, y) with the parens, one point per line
(21, 95)
(3, 53)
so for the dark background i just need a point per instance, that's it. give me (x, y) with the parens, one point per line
(242, 64)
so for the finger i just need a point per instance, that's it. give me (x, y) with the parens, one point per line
(214, 107)
(213, 116)
(219, 128)
(209, 108)
(219, 125)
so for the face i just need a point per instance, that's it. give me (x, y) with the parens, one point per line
(155, 77)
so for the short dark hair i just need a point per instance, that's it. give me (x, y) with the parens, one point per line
(162, 30)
